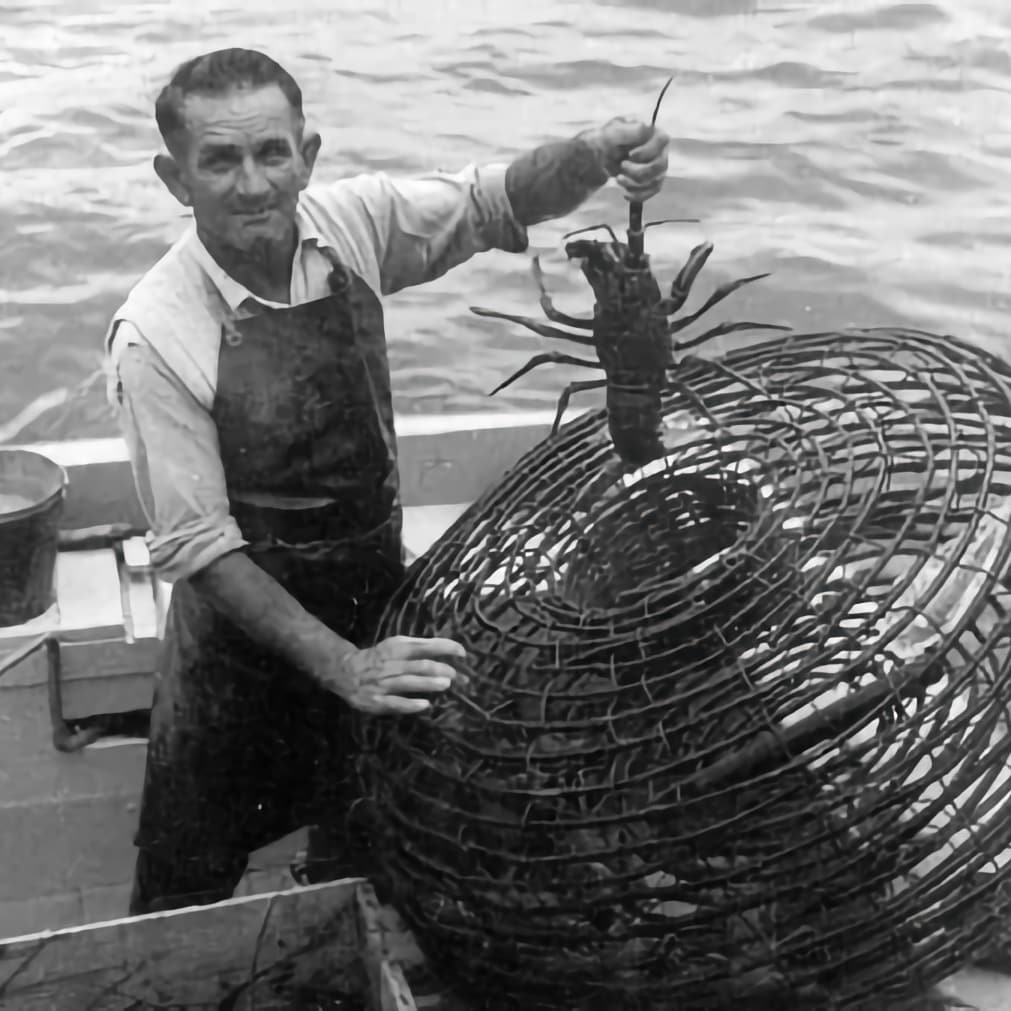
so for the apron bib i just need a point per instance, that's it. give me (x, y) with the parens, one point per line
(243, 747)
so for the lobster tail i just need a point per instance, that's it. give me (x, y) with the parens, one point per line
(634, 418)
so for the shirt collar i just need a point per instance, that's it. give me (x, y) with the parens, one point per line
(234, 293)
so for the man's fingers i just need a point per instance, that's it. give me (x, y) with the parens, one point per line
(627, 131)
(410, 684)
(420, 670)
(407, 646)
(651, 150)
(392, 705)
(644, 173)
(635, 191)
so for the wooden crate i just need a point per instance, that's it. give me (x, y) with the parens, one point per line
(279, 950)
(271, 951)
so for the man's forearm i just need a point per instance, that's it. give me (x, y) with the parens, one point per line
(554, 179)
(271, 616)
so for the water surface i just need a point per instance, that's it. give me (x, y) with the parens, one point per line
(860, 151)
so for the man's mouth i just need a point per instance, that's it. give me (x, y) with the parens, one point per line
(257, 215)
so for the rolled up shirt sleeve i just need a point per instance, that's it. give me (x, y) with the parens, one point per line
(173, 446)
(423, 227)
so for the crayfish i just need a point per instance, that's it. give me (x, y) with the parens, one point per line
(630, 330)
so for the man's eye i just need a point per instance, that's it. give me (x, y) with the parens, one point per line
(218, 162)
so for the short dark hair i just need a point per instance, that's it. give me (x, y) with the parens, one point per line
(218, 73)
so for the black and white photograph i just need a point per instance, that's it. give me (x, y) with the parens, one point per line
(505, 507)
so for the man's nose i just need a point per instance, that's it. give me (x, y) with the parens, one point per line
(252, 179)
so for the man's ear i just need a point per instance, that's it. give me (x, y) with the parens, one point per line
(170, 173)
(310, 151)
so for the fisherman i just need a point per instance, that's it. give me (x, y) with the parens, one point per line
(248, 368)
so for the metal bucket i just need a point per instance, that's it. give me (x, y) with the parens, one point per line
(32, 490)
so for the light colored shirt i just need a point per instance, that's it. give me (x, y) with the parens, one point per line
(162, 346)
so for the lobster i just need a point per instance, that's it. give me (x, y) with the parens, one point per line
(631, 329)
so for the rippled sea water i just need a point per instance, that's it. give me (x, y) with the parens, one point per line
(859, 151)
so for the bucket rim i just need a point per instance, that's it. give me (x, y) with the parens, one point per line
(43, 504)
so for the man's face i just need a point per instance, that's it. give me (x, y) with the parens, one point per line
(242, 166)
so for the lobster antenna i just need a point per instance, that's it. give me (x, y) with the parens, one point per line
(656, 108)
(635, 236)
(671, 221)
(593, 228)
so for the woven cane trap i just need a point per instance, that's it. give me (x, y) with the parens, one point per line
(737, 728)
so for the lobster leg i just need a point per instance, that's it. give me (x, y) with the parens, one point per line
(717, 296)
(725, 328)
(580, 386)
(549, 307)
(682, 286)
(550, 357)
(531, 324)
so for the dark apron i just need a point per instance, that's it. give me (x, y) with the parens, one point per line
(243, 747)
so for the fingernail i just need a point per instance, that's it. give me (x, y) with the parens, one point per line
(441, 683)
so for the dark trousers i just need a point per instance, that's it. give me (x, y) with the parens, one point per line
(244, 749)
(161, 883)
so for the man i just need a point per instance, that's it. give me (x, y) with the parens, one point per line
(249, 370)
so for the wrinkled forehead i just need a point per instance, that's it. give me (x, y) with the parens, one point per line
(240, 117)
